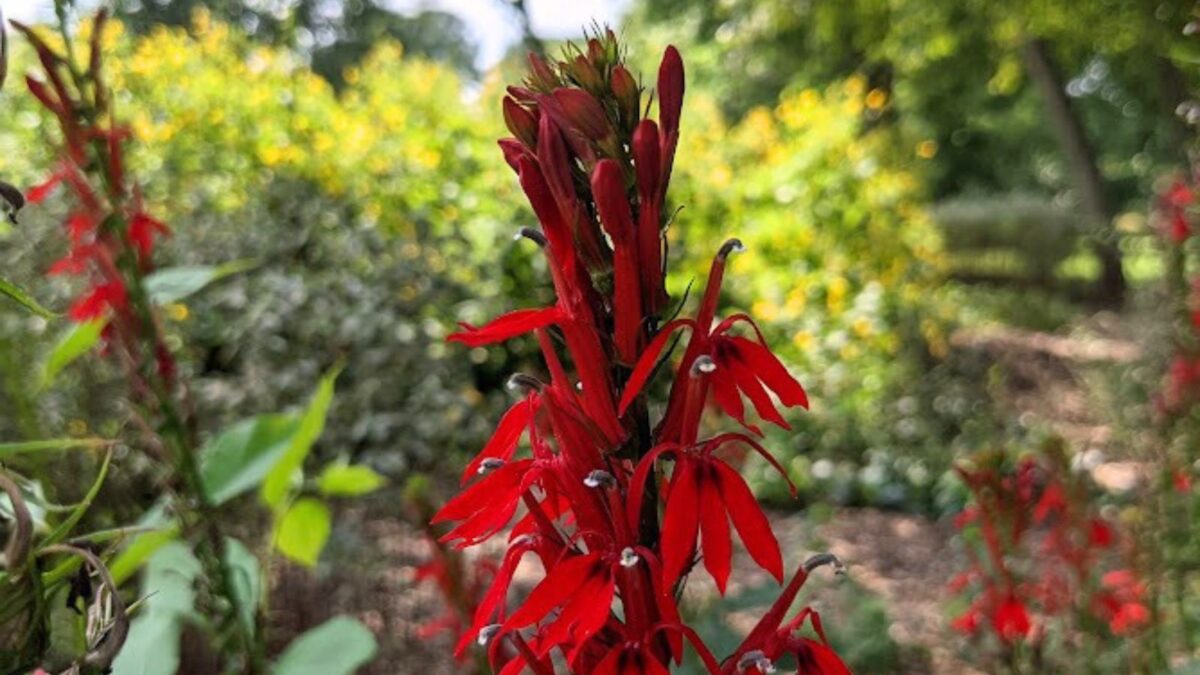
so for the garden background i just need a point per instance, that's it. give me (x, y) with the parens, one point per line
(953, 217)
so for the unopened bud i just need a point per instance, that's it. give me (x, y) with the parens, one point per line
(489, 464)
(629, 557)
(487, 633)
(599, 478)
(584, 113)
(625, 88)
(703, 365)
(755, 658)
(541, 76)
(521, 122)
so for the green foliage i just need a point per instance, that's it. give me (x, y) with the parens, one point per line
(337, 647)
(239, 458)
(14, 293)
(344, 480)
(302, 530)
(284, 472)
(153, 644)
(77, 341)
(177, 283)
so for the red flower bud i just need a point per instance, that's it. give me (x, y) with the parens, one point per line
(541, 76)
(670, 91)
(629, 96)
(522, 123)
(583, 113)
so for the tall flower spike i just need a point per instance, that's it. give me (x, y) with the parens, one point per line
(591, 490)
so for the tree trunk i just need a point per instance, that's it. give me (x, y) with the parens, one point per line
(1082, 164)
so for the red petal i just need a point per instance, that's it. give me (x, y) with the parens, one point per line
(771, 371)
(647, 361)
(563, 582)
(504, 440)
(680, 523)
(483, 493)
(637, 484)
(751, 523)
(506, 326)
(714, 532)
(38, 193)
(747, 381)
(814, 658)
(728, 399)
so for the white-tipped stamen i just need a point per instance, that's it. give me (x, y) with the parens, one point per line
(519, 381)
(487, 633)
(599, 478)
(629, 557)
(733, 245)
(703, 365)
(755, 658)
(489, 464)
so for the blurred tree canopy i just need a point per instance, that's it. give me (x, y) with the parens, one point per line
(954, 73)
(336, 34)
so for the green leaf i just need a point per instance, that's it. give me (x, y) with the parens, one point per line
(74, 344)
(21, 447)
(302, 531)
(280, 477)
(152, 647)
(127, 562)
(239, 458)
(176, 283)
(339, 646)
(247, 580)
(24, 299)
(349, 480)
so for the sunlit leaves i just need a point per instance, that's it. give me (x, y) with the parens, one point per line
(238, 459)
(290, 464)
(76, 342)
(14, 293)
(303, 529)
(348, 480)
(176, 283)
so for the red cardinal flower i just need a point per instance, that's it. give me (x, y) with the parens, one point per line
(705, 494)
(730, 364)
(1011, 619)
(97, 302)
(771, 638)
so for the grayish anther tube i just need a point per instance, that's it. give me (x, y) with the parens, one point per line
(531, 234)
(822, 559)
(755, 658)
(489, 464)
(599, 478)
(732, 245)
(487, 633)
(520, 381)
(629, 557)
(703, 365)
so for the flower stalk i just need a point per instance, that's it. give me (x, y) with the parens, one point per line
(618, 507)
